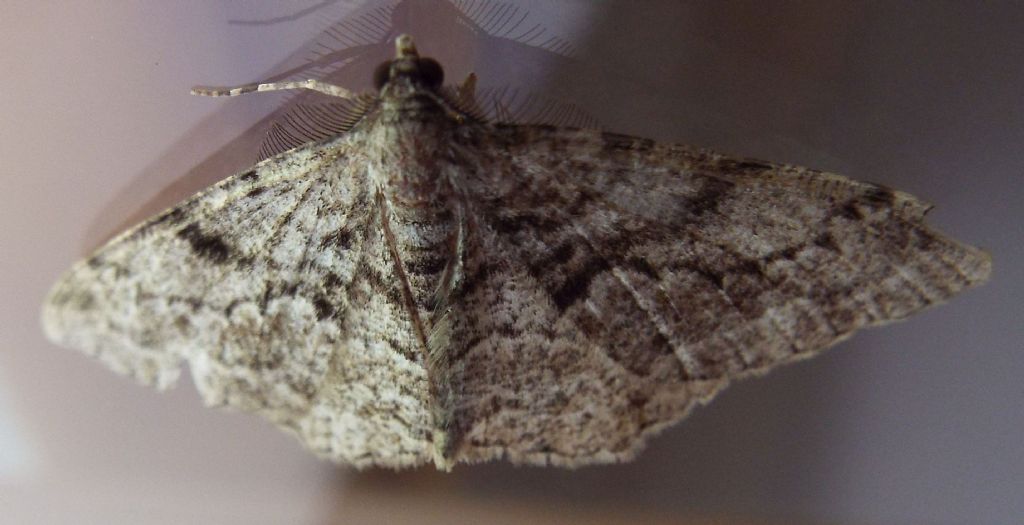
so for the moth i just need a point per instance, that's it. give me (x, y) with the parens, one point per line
(430, 287)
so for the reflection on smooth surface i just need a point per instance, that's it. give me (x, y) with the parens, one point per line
(16, 460)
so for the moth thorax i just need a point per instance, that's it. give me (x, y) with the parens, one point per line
(412, 169)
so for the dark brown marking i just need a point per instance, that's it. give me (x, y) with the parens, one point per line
(377, 284)
(559, 256)
(332, 281)
(826, 241)
(880, 195)
(579, 203)
(516, 223)
(624, 241)
(509, 224)
(746, 266)
(716, 278)
(172, 216)
(248, 176)
(426, 265)
(341, 238)
(615, 141)
(324, 309)
(749, 165)
(482, 274)
(850, 210)
(643, 267)
(577, 284)
(786, 254)
(789, 253)
(857, 208)
(209, 246)
(706, 200)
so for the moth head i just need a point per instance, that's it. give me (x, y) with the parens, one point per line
(408, 67)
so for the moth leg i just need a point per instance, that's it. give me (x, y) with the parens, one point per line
(311, 84)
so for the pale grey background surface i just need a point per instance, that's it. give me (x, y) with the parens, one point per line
(919, 422)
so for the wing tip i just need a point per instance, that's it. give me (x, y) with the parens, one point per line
(68, 320)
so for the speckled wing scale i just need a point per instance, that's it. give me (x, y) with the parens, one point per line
(429, 287)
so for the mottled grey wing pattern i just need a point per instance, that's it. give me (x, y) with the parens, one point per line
(612, 283)
(264, 283)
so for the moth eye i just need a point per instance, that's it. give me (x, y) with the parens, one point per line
(430, 72)
(381, 75)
